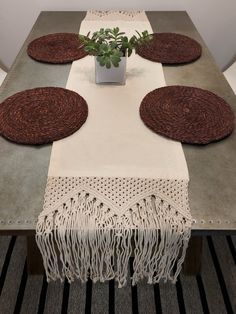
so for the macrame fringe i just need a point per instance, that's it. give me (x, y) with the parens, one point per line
(84, 239)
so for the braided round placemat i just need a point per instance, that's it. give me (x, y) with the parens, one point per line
(187, 114)
(42, 115)
(56, 48)
(170, 48)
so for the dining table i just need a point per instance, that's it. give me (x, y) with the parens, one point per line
(212, 167)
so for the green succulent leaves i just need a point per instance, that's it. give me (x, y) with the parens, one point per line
(109, 45)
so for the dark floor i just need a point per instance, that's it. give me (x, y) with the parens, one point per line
(214, 291)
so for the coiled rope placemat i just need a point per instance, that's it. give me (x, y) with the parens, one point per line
(170, 48)
(56, 48)
(42, 115)
(187, 114)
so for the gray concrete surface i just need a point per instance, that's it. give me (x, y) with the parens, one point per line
(212, 168)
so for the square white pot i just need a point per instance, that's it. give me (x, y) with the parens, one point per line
(113, 75)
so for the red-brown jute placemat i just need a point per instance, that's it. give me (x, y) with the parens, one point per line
(170, 48)
(187, 114)
(56, 48)
(42, 115)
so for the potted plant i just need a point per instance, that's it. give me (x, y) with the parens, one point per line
(111, 49)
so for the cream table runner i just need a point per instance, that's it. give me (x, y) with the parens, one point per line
(115, 188)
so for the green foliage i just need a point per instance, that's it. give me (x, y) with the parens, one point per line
(109, 45)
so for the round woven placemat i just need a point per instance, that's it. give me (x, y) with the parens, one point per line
(42, 115)
(56, 48)
(170, 48)
(187, 114)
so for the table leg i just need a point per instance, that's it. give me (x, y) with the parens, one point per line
(192, 262)
(34, 258)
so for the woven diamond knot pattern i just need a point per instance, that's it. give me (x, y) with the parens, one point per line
(115, 15)
(119, 194)
(105, 214)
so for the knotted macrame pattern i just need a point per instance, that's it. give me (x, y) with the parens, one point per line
(90, 227)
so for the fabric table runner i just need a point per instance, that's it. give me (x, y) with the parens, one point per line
(114, 187)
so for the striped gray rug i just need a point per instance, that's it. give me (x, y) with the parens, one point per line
(214, 291)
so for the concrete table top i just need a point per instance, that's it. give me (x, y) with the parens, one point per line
(212, 168)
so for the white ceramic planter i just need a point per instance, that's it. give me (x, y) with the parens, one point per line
(113, 75)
